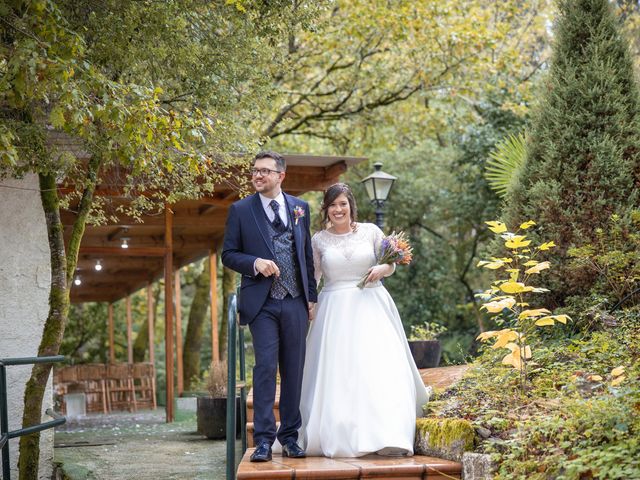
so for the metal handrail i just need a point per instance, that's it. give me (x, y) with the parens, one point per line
(617, 305)
(235, 337)
(5, 434)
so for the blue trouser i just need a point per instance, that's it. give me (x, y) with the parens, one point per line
(279, 334)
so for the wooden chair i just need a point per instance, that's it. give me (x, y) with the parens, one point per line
(120, 387)
(144, 384)
(92, 377)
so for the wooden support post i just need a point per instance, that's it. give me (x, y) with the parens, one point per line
(213, 269)
(180, 382)
(112, 351)
(129, 331)
(168, 310)
(151, 324)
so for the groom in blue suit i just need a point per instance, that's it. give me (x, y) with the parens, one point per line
(267, 240)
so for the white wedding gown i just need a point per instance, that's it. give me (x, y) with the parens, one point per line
(361, 390)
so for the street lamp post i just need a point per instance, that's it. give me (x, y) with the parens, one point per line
(378, 185)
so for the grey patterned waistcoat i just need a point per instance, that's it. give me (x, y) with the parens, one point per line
(285, 250)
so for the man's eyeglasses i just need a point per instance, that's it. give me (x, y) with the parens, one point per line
(263, 172)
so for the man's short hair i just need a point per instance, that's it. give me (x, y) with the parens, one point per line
(281, 163)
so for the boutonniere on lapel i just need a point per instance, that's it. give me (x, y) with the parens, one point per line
(298, 213)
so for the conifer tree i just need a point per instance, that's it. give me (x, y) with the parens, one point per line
(583, 151)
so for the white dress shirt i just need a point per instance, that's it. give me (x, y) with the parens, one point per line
(282, 210)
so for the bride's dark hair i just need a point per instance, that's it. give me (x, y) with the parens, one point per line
(330, 195)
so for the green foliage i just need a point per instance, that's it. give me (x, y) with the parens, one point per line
(612, 258)
(426, 331)
(583, 155)
(504, 161)
(86, 334)
(575, 420)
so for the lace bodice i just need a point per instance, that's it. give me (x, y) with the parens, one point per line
(342, 259)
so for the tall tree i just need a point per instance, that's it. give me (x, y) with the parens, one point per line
(583, 154)
(106, 90)
(195, 326)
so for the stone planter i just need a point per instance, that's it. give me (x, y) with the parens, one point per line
(212, 417)
(426, 353)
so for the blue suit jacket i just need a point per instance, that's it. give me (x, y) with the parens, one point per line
(247, 237)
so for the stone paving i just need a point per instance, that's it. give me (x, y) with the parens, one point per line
(138, 446)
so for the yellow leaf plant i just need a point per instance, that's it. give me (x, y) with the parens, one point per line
(506, 297)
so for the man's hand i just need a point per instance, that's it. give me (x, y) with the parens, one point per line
(267, 267)
(312, 310)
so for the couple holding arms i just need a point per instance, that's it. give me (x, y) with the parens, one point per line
(349, 385)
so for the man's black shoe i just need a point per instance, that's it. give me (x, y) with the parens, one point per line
(292, 450)
(262, 453)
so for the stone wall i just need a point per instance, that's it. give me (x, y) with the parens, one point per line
(25, 275)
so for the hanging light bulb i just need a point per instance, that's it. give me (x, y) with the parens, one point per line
(98, 266)
(77, 280)
(125, 242)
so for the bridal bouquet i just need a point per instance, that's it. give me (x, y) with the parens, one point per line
(394, 248)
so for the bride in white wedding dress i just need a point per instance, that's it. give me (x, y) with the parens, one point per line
(361, 390)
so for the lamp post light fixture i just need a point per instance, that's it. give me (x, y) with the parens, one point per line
(378, 185)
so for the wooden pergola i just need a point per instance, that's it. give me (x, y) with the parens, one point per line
(161, 244)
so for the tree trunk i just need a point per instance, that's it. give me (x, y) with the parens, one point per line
(193, 336)
(229, 278)
(62, 271)
(141, 342)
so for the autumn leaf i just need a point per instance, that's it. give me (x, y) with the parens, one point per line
(616, 372)
(491, 265)
(538, 268)
(517, 241)
(498, 306)
(546, 246)
(517, 353)
(496, 227)
(544, 321)
(484, 336)
(533, 313)
(526, 225)
(504, 337)
(56, 117)
(618, 380)
(512, 287)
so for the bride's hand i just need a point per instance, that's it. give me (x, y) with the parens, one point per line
(378, 271)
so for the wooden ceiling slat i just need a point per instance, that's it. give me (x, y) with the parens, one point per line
(123, 252)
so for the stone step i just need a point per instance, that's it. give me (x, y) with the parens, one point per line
(276, 411)
(369, 466)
